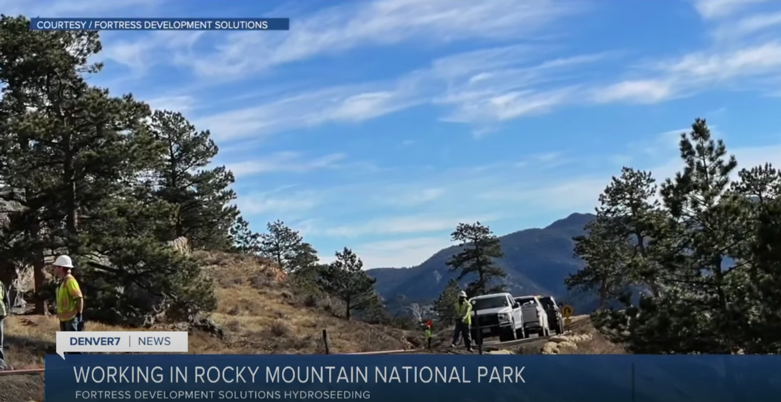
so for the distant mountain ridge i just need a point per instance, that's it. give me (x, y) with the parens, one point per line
(536, 262)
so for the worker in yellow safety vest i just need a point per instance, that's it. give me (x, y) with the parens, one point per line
(70, 301)
(463, 321)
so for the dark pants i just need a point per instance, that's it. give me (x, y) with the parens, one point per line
(463, 330)
(2, 354)
(71, 326)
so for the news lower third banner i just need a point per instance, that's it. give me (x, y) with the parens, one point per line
(160, 24)
(414, 378)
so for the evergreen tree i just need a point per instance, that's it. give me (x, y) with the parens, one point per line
(286, 247)
(75, 157)
(444, 306)
(202, 195)
(697, 199)
(66, 146)
(605, 256)
(346, 280)
(479, 248)
(244, 240)
(633, 218)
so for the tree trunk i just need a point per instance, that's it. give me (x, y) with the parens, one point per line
(602, 294)
(71, 207)
(39, 278)
(347, 309)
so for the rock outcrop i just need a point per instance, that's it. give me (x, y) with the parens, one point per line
(565, 342)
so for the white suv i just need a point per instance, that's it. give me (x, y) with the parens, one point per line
(535, 319)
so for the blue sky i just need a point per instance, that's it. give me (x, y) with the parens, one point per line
(379, 125)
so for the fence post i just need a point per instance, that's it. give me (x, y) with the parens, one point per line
(325, 341)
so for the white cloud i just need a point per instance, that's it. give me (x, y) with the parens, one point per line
(273, 203)
(638, 91)
(66, 8)
(710, 9)
(181, 104)
(412, 197)
(568, 195)
(379, 23)
(399, 253)
(486, 87)
(474, 93)
(755, 60)
(747, 26)
(337, 104)
(283, 162)
(405, 225)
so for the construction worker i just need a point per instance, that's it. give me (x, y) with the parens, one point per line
(70, 302)
(5, 310)
(463, 321)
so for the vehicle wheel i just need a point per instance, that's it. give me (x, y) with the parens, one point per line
(507, 335)
(520, 333)
(541, 332)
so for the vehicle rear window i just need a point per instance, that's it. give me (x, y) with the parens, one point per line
(492, 302)
(547, 302)
(526, 301)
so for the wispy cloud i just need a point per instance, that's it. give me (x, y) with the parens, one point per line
(473, 93)
(173, 103)
(379, 23)
(283, 162)
(65, 8)
(404, 225)
(412, 197)
(272, 203)
(711, 9)
(400, 253)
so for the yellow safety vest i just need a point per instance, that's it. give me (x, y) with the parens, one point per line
(427, 332)
(67, 294)
(464, 312)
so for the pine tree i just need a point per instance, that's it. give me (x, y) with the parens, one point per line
(286, 247)
(202, 195)
(632, 216)
(605, 256)
(244, 240)
(346, 280)
(479, 249)
(75, 157)
(696, 198)
(66, 146)
(444, 306)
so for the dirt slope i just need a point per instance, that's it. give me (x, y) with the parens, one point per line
(258, 310)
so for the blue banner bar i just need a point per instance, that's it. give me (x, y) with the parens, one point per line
(160, 24)
(414, 378)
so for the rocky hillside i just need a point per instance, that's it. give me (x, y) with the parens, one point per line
(536, 261)
(259, 312)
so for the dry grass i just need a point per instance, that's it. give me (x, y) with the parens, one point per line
(260, 312)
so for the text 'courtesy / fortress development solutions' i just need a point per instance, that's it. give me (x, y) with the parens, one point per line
(160, 24)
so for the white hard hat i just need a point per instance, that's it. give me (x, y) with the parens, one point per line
(462, 294)
(63, 261)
